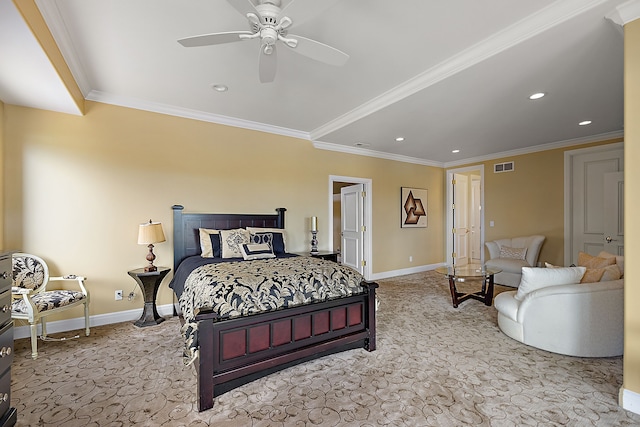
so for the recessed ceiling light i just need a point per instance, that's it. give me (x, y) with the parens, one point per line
(399, 139)
(455, 151)
(537, 95)
(220, 88)
(584, 123)
(362, 144)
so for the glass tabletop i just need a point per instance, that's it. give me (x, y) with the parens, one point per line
(469, 270)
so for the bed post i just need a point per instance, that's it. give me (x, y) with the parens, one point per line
(370, 319)
(205, 364)
(280, 220)
(178, 236)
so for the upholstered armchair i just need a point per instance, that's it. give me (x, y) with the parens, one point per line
(576, 311)
(510, 255)
(31, 301)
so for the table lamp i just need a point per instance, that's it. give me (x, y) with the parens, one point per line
(148, 234)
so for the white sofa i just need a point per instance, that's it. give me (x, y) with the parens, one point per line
(511, 267)
(583, 319)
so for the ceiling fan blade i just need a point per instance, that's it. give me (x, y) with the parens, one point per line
(211, 39)
(268, 65)
(318, 51)
(243, 6)
(303, 10)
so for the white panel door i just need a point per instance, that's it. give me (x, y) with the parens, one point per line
(588, 213)
(614, 213)
(475, 223)
(461, 219)
(352, 230)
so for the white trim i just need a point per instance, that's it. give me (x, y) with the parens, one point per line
(368, 215)
(568, 172)
(538, 148)
(625, 13)
(449, 209)
(404, 271)
(527, 28)
(629, 400)
(372, 153)
(155, 107)
(77, 323)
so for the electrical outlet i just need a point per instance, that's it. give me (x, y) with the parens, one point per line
(410, 258)
(118, 295)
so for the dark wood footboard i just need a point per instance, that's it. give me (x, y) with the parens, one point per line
(234, 352)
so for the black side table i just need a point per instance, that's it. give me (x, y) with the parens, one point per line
(149, 283)
(329, 256)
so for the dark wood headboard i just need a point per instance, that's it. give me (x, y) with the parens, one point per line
(186, 240)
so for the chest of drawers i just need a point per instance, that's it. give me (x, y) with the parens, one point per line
(8, 414)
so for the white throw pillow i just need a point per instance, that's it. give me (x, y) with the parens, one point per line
(537, 278)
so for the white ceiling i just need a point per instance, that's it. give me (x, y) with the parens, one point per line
(444, 75)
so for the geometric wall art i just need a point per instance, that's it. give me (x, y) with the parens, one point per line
(413, 207)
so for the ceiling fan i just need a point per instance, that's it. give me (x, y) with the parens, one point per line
(270, 23)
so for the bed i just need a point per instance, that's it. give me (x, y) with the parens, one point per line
(232, 346)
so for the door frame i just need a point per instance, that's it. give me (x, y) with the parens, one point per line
(568, 190)
(367, 213)
(449, 209)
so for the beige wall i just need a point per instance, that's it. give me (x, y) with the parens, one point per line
(632, 205)
(529, 200)
(77, 188)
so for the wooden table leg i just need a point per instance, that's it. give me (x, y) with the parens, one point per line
(454, 292)
(488, 296)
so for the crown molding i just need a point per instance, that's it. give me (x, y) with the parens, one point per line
(445, 165)
(187, 113)
(625, 13)
(372, 153)
(538, 148)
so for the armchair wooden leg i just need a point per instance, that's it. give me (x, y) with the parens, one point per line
(34, 340)
(44, 328)
(86, 318)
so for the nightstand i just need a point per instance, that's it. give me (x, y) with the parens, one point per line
(149, 282)
(329, 256)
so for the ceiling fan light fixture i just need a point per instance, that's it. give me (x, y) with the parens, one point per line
(537, 95)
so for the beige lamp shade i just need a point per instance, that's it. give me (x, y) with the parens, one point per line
(150, 233)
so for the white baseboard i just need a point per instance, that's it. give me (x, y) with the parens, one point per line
(404, 271)
(97, 320)
(629, 400)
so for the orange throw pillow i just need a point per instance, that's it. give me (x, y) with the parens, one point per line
(590, 261)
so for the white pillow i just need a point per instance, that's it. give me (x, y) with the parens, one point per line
(231, 242)
(537, 278)
(254, 230)
(206, 248)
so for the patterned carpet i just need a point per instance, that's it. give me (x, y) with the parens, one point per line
(435, 366)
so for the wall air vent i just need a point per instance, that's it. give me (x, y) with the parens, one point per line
(503, 167)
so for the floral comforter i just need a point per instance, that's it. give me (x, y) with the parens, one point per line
(241, 288)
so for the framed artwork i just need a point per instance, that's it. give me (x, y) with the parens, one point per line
(413, 207)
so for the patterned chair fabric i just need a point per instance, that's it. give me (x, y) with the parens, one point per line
(32, 301)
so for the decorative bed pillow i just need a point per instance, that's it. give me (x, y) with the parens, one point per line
(209, 242)
(274, 240)
(606, 274)
(619, 260)
(590, 261)
(256, 251)
(231, 242)
(279, 244)
(537, 278)
(512, 253)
